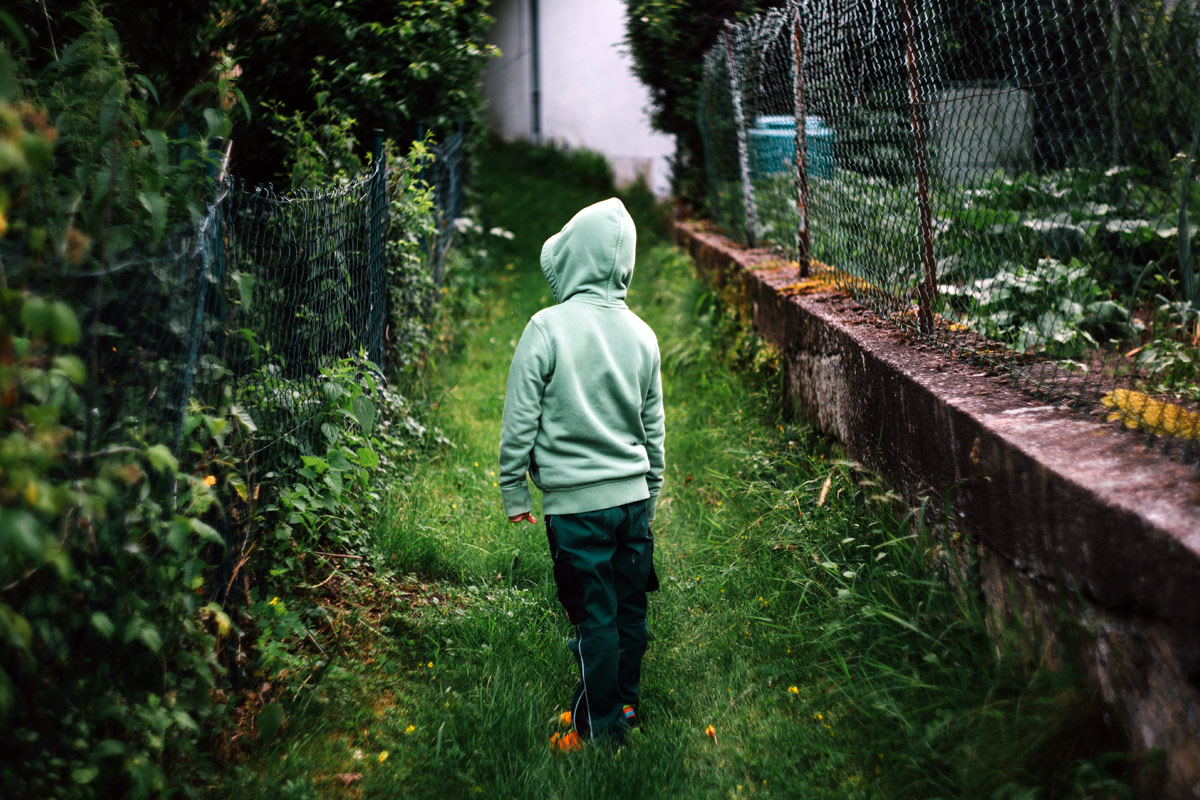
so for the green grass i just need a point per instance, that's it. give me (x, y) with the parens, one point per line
(804, 612)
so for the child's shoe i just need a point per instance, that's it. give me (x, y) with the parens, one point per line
(568, 742)
(631, 717)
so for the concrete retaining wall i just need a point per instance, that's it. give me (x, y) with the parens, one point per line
(1069, 513)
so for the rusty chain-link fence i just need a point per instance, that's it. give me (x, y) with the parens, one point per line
(1013, 181)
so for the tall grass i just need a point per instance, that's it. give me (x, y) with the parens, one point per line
(805, 612)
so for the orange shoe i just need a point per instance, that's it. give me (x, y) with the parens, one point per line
(568, 742)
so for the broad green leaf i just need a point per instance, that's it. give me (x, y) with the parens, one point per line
(103, 624)
(84, 775)
(364, 412)
(72, 367)
(161, 459)
(368, 458)
(206, 532)
(270, 720)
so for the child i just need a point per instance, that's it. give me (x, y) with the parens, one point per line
(583, 415)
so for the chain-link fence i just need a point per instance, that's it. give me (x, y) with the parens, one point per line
(1014, 181)
(244, 310)
(445, 175)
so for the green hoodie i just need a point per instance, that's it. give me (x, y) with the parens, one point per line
(583, 411)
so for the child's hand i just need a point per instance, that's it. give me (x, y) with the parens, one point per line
(527, 517)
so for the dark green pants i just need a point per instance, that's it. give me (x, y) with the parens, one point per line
(603, 568)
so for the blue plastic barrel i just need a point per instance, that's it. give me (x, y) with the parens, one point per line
(773, 145)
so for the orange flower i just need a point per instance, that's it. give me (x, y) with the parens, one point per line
(564, 718)
(711, 733)
(210, 480)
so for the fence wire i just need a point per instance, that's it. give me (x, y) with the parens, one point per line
(1013, 181)
(445, 175)
(243, 311)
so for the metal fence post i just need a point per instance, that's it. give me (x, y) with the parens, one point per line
(743, 157)
(803, 254)
(376, 257)
(927, 289)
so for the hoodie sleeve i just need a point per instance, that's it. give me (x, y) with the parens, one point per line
(655, 427)
(527, 377)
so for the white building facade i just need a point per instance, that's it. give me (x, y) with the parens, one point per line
(565, 77)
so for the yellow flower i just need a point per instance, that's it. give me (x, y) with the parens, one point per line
(383, 756)
(274, 601)
(1138, 411)
(711, 732)
(452, 505)
(210, 480)
(793, 690)
(818, 716)
(430, 665)
(410, 729)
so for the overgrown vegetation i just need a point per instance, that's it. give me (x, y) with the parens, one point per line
(150, 553)
(807, 614)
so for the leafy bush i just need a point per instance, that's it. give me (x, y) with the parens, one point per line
(668, 39)
(393, 66)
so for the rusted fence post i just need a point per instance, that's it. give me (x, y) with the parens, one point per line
(927, 289)
(739, 119)
(801, 144)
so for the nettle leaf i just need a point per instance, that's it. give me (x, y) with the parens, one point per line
(156, 204)
(368, 458)
(159, 147)
(103, 624)
(206, 532)
(364, 412)
(161, 459)
(338, 461)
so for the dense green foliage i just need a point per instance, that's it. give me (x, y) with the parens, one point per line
(805, 612)
(144, 548)
(668, 40)
(402, 67)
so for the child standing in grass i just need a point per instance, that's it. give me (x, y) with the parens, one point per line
(583, 416)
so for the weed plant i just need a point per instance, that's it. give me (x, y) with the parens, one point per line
(805, 613)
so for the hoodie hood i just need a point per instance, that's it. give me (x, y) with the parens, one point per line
(592, 255)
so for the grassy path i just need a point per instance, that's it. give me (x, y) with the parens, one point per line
(798, 616)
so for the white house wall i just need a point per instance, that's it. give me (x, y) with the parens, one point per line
(589, 95)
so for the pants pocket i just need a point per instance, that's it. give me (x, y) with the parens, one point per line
(566, 579)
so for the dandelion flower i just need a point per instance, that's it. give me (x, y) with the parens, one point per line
(793, 690)
(383, 756)
(410, 729)
(430, 665)
(818, 716)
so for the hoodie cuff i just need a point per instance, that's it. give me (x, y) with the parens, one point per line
(651, 507)
(517, 499)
